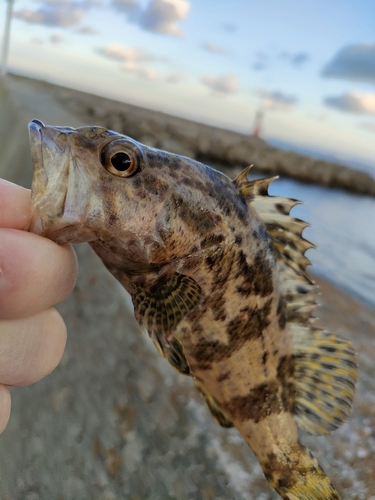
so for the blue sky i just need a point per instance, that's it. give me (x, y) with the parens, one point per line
(308, 65)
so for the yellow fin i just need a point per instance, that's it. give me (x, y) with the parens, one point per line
(324, 377)
(298, 476)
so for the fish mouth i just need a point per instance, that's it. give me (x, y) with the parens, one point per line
(35, 138)
(50, 158)
(35, 127)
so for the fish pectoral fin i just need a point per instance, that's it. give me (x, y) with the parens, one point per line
(215, 409)
(325, 373)
(159, 308)
(176, 357)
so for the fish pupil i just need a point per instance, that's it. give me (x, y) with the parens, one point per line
(121, 161)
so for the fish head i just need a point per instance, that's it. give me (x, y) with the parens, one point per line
(139, 207)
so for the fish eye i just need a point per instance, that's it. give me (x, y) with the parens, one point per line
(121, 161)
(120, 158)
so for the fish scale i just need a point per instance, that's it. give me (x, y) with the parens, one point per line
(217, 274)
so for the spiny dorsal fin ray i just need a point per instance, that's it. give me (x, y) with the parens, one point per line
(242, 179)
(286, 238)
(161, 307)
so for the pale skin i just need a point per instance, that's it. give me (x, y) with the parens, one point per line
(35, 275)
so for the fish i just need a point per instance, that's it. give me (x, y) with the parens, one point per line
(216, 270)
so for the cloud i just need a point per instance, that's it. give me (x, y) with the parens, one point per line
(214, 49)
(353, 102)
(370, 127)
(50, 17)
(55, 13)
(56, 38)
(299, 59)
(83, 4)
(261, 59)
(87, 30)
(320, 117)
(175, 78)
(229, 27)
(132, 59)
(223, 84)
(127, 6)
(296, 59)
(354, 62)
(37, 41)
(259, 66)
(129, 55)
(160, 16)
(147, 73)
(275, 100)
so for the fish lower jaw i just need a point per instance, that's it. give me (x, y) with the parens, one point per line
(62, 231)
(48, 227)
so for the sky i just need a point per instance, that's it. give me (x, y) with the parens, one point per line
(307, 65)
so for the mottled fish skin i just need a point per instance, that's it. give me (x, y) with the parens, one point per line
(203, 274)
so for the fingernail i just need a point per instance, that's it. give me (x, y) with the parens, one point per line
(2, 279)
(7, 183)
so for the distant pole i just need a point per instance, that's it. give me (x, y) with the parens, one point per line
(258, 123)
(4, 55)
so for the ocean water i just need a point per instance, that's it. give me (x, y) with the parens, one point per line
(343, 229)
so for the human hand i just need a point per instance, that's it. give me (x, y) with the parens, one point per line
(35, 274)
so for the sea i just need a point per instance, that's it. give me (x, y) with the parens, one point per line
(343, 229)
(342, 226)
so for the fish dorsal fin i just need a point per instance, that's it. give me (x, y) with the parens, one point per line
(161, 307)
(324, 366)
(285, 232)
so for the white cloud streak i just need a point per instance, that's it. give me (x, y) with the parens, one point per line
(127, 6)
(132, 59)
(56, 38)
(353, 102)
(86, 30)
(54, 13)
(160, 16)
(214, 49)
(175, 78)
(370, 127)
(275, 100)
(120, 52)
(222, 84)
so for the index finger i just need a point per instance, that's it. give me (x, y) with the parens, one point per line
(14, 206)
